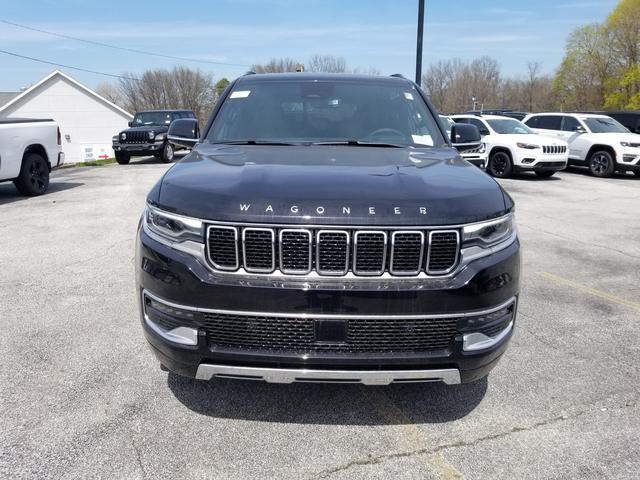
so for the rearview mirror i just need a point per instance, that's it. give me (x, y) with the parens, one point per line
(184, 132)
(465, 136)
(130, 123)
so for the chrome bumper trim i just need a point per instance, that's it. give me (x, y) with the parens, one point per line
(472, 342)
(365, 377)
(180, 335)
(346, 316)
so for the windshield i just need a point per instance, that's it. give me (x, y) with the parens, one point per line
(144, 119)
(304, 111)
(509, 126)
(604, 125)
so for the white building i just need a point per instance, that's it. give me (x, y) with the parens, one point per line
(87, 120)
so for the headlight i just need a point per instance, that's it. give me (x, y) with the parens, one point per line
(630, 145)
(152, 135)
(528, 146)
(114, 139)
(123, 136)
(160, 137)
(173, 228)
(490, 233)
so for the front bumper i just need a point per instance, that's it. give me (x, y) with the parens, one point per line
(138, 148)
(535, 160)
(477, 159)
(181, 284)
(628, 159)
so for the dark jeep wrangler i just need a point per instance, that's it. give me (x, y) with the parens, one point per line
(323, 229)
(147, 135)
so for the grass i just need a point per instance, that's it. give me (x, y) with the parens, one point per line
(92, 163)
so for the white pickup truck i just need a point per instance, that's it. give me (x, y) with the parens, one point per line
(29, 149)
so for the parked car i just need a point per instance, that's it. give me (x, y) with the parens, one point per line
(323, 229)
(513, 147)
(475, 155)
(147, 135)
(629, 118)
(29, 149)
(504, 113)
(595, 141)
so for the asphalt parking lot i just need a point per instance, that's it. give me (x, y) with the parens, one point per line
(81, 396)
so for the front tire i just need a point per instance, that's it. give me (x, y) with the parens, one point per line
(167, 153)
(545, 174)
(601, 164)
(123, 158)
(34, 176)
(500, 165)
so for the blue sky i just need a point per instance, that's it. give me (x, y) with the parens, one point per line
(367, 33)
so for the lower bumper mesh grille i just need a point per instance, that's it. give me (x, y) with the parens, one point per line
(267, 333)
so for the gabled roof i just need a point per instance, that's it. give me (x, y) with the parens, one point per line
(58, 73)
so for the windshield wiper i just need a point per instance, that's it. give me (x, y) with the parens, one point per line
(360, 143)
(253, 142)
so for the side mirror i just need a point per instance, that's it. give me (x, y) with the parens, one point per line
(130, 123)
(184, 132)
(465, 136)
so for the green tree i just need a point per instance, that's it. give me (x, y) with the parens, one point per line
(582, 79)
(220, 86)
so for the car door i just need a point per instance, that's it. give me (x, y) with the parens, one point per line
(572, 132)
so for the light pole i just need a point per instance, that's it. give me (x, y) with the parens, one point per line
(419, 42)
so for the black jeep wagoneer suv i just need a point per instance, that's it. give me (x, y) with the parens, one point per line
(323, 229)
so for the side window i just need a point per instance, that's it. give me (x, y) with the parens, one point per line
(189, 115)
(570, 124)
(549, 122)
(481, 126)
(461, 120)
(533, 122)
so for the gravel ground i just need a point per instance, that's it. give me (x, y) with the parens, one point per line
(81, 395)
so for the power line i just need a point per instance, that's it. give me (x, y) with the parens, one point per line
(116, 47)
(67, 66)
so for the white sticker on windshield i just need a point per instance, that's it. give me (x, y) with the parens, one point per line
(423, 140)
(408, 95)
(240, 94)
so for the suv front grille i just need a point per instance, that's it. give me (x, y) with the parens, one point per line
(136, 137)
(297, 335)
(553, 149)
(333, 252)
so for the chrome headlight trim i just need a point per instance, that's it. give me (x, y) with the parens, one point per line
(173, 228)
(488, 233)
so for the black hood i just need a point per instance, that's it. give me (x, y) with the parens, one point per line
(148, 128)
(341, 185)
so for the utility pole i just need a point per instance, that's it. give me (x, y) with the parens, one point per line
(419, 43)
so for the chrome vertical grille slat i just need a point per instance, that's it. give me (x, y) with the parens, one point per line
(258, 250)
(296, 251)
(369, 252)
(332, 251)
(407, 249)
(222, 247)
(443, 251)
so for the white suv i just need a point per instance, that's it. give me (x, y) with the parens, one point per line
(596, 141)
(477, 155)
(514, 147)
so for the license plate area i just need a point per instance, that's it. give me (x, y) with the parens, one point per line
(331, 331)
